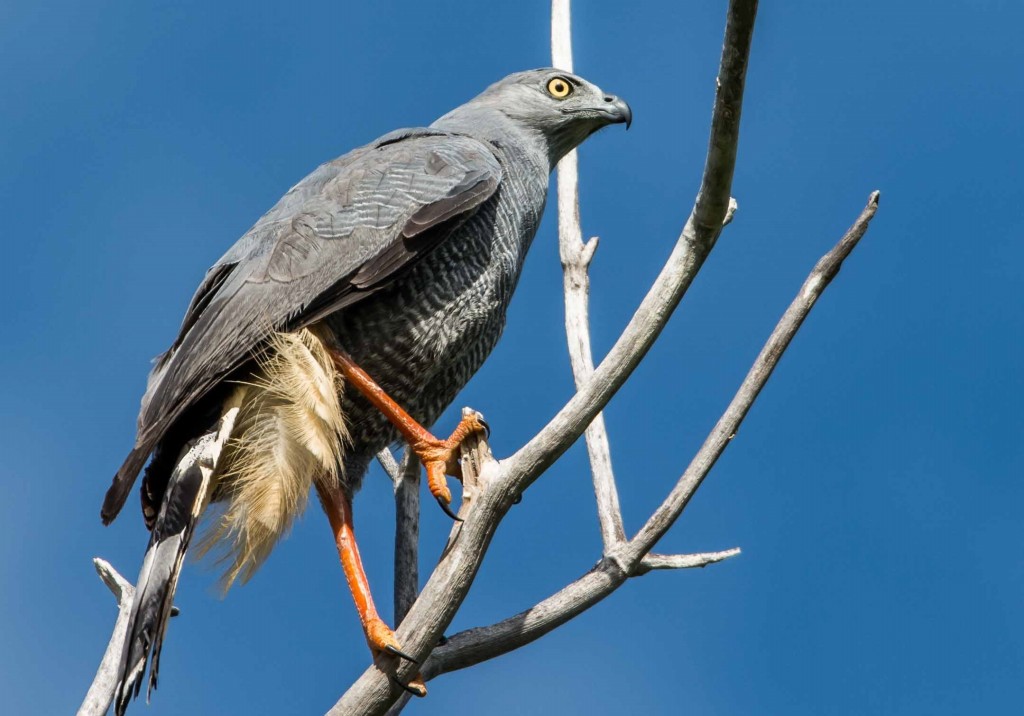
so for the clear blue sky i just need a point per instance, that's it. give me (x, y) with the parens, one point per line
(875, 488)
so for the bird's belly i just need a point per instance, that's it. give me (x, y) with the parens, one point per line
(423, 337)
(421, 340)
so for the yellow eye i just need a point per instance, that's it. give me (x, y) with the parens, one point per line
(559, 88)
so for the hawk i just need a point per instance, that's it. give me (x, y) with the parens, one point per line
(350, 315)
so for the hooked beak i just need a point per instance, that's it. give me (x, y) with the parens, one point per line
(617, 111)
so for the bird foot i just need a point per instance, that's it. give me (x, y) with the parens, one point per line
(441, 457)
(381, 640)
(383, 645)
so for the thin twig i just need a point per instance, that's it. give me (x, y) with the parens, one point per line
(390, 465)
(576, 257)
(101, 692)
(480, 644)
(823, 273)
(685, 561)
(472, 646)
(407, 534)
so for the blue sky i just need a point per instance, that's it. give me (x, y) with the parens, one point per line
(875, 488)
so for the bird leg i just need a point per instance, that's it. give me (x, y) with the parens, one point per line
(379, 636)
(439, 457)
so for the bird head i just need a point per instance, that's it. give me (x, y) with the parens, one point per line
(559, 107)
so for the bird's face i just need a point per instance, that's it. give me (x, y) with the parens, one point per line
(564, 108)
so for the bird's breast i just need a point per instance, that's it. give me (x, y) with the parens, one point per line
(423, 337)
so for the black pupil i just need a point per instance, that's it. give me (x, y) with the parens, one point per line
(559, 88)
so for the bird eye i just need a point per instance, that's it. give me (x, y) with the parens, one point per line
(559, 88)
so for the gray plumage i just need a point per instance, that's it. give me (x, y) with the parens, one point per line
(405, 253)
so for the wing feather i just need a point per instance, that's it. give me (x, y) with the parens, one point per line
(346, 230)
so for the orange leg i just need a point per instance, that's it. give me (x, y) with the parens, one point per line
(438, 456)
(379, 636)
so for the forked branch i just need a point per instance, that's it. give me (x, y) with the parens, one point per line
(499, 484)
(634, 558)
(491, 487)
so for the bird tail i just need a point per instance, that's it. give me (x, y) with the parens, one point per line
(188, 492)
(278, 432)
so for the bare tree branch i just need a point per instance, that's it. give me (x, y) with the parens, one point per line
(390, 465)
(684, 561)
(695, 243)
(470, 647)
(823, 273)
(407, 534)
(475, 645)
(576, 257)
(490, 488)
(101, 692)
(374, 692)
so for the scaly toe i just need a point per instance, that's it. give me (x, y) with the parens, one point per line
(382, 641)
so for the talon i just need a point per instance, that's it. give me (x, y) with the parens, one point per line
(398, 652)
(175, 611)
(448, 510)
(442, 640)
(519, 498)
(416, 690)
(487, 428)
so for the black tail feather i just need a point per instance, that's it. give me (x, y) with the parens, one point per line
(118, 491)
(180, 509)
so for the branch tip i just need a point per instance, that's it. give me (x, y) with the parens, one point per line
(118, 585)
(730, 211)
(685, 561)
(387, 461)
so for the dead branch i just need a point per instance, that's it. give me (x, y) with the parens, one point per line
(375, 691)
(819, 279)
(633, 558)
(490, 487)
(576, 257)
(407, 534)
(101, 692)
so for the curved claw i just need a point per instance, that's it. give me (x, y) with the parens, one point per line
(398, 652)
(487, 428)
(409, 688)
(447, 509)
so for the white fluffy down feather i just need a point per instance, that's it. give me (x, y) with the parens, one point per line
(289, 433)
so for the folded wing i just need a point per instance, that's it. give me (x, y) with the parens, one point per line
(343, 232)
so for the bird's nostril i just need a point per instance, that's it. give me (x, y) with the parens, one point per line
(609, 98)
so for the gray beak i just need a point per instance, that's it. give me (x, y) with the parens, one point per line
(617, 110)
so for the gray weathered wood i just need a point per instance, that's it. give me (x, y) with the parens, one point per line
(374, 692)
(101, 691)
(633, 558)
(407, 534)
(576, 257)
